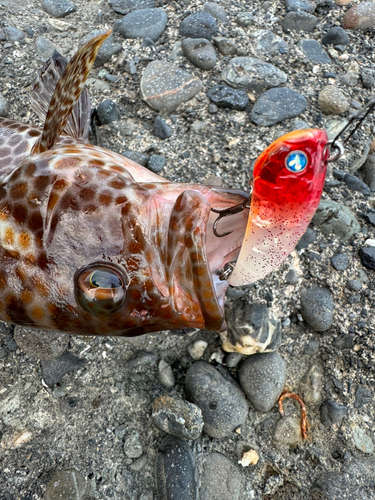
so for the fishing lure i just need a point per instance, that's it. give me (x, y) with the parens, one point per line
(93, 243)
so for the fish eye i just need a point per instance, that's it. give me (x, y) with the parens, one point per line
(100, 288)
(296, 161)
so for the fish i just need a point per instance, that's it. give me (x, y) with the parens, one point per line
(92, 243)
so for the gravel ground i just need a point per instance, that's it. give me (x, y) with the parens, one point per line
(95, 421)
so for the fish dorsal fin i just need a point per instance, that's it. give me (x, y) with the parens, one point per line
(67, 92)
(78, 123)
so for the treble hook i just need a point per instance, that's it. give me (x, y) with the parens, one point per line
(229, 211)
(339, 146)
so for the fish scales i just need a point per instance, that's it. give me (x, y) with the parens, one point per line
(93, 243)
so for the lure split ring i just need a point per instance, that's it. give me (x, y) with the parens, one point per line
(336, 149)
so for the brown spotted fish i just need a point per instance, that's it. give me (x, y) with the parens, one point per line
(93, 243)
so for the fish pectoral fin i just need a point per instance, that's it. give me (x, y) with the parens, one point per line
(186, 255)
(78, 123)
(67, 92)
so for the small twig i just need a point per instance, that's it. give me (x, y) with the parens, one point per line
(287, 394)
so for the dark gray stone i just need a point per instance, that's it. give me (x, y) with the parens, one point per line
(355, 184)
(222, 402)
(277, 105)
(133, 447)
(200, 52)
(216, 11)
(125, 6)
(354, 285)
(308, 238)
(317, 308)
(245, 19)
(314, 51)
(332, 217)
(164, 86)
(367, 256)
(368, 171)
(253, 74)
(45, 48)
(368, 81)
(106, 51)
(177, 417)
(142, 23)
(156, 163)
(335, 36)
(227, 97)
(340, 261)
(140, 158)
(53, 370)
(3, 106)
(251, 327)
(198, 25)
(107, 112)
(175, 471)
(362, 397)
(13, 34)
(291, 277)
(161, 129)
(140, 358)
(58, 8)
(300, 5)
(262, 377)
(299, 21)
(269, 43)
(221, 479)
(226, 46)
(332, 413)
(312, 347)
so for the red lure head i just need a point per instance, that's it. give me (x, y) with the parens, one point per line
(277, 183)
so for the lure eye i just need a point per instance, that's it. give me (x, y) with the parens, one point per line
(100, 288)
(296, 161)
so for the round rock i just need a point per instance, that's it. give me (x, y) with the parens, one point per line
(164, 86)
(367, 256)
(299, 21)
(107, 112)
(300, 5)
(262, 377)
(287, 432)
(227, 97)
(317, 308)
(216, 11)
(125, 6)
(142, 23)
(340, 261)
(332, 413)
(3, 106)
(332, 101)
(156, 163)
(198, 25)
(253, 74)
(177, 417)
(133, 446)
(277, 105)
(13, 34)
(226, 46)
(333, 217)
(161, 128)
(220, 479)
(222, 402)
(200, 52)
(67, 484)
(360, 16)
(245, 19)
(140, 158)
(335, 36)
(362, 441)
(58, 8)
(175, 470)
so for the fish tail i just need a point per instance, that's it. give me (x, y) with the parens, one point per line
(67, 92)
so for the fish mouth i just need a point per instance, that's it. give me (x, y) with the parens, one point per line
(194, 270)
